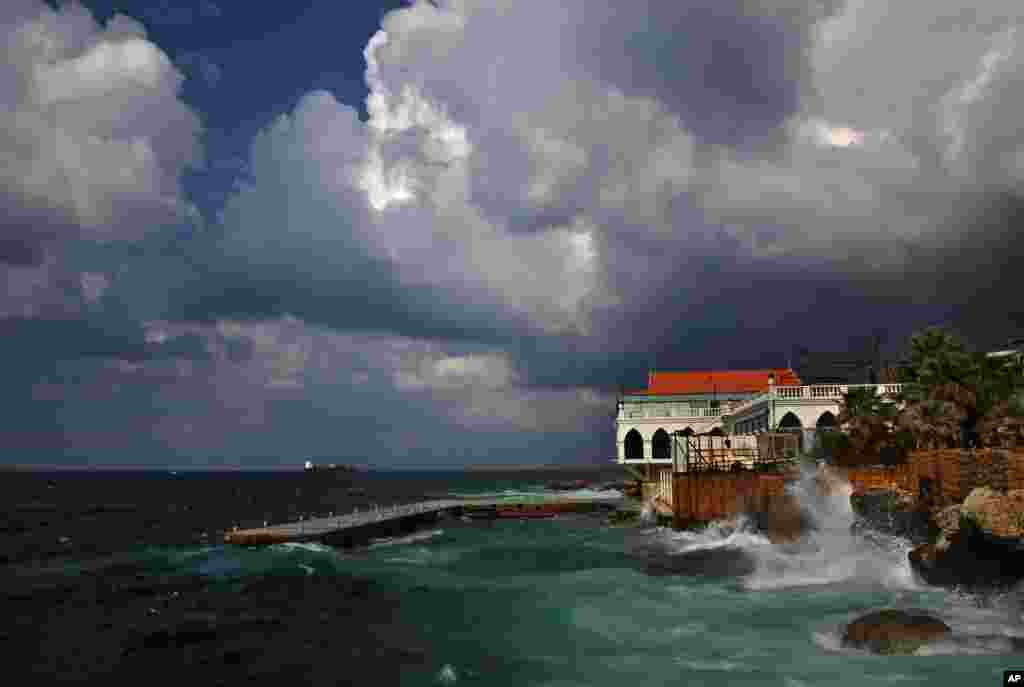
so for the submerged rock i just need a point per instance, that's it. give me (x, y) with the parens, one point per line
(712, 563)
(892, 631)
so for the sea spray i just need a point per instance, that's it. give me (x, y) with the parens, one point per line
(830, 552)
(648, 515)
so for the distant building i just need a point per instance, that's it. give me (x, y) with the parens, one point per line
(863, 365)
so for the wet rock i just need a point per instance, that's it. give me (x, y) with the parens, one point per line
(892, 512)
(567, 486)
(996, 513)
(978, 545)
(892, 631)
(624, 517)
(780, 519)
(969, 559)
(714, 563)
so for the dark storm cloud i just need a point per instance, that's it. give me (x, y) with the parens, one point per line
(734, 71)
(545, 201)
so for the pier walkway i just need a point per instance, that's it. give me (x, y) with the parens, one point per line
(349, 528)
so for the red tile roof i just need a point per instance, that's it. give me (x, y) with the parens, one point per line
(715, 381)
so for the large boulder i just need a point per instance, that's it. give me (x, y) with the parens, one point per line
(892, 631)
(996, 513)
(780, 519)
(979, 542)
(892, 512)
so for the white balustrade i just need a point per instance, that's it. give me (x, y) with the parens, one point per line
(830, 392)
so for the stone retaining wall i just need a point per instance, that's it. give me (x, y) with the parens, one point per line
(713, 496)
(953, 473)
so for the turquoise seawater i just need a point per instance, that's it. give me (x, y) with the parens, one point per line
(571, 602)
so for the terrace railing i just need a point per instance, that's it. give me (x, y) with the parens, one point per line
(823, 392)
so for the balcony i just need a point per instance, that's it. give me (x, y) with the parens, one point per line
(815, 392)
(662, 411)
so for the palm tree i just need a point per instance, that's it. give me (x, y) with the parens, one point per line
(947, 384)
(868, 421)
(933, 424)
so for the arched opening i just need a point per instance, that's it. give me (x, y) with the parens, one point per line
(716, 432)
(688, 432)
(661, 447)
(634, 445)
(791, 423)
(826, 421)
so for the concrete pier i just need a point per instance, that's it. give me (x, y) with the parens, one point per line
(353, 529)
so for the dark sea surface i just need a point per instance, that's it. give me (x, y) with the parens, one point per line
(113, 575)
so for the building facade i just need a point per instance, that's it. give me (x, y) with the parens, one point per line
(727, 402)
(692, 402)
(803, 409)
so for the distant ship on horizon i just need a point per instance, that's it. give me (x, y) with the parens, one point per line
(310, 466)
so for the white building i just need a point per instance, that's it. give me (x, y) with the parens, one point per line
(727, 402)
(692, 402)
(806, 409)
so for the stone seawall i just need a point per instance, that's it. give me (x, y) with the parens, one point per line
(714, 496)
(946, 476)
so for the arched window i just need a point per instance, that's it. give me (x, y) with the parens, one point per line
(716, 432)
(826, 421)
(789, 421)
(661, 447)
(688, 432)
(634, 445)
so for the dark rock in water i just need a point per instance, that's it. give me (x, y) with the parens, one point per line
(978, 545)
(719, 562)
(883, 511)
(567, 486)
(969, 558)
(780, 519)
(892, 631)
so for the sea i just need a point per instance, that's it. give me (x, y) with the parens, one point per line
(112, 575)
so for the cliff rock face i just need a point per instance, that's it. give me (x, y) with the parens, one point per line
(893, 631)
(980, 542)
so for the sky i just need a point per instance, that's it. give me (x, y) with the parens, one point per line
(431, 234)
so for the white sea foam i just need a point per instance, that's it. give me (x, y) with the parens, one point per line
(609, 494)
(688, 630)
(721, 665)
(736, 534)
(408, 539)
(309, 570)
(830, 553)
(311, 547)
(447, 675)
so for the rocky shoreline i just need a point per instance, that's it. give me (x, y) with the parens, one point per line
(976, 546)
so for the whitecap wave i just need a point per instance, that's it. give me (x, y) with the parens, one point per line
(720, 665)
(408, 539)
(447, 675)
(292, 546)
(737, 534)
(609, 494)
